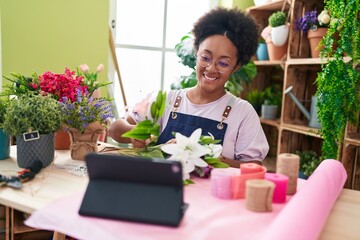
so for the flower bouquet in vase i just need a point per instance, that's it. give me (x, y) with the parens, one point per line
(316, 27)
(85, 119)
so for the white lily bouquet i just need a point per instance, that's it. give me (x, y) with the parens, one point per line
(198, 154)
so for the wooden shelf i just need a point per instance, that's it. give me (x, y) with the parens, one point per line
(353, 139)
(274, 123)
(272, 6)
(268, 63)
(314, 132)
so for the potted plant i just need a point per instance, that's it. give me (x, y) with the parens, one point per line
(85, 119)
(256, 99)
(185, 52)
(262, 51)
(33, 119)
(4, 137)
(275, 52)
(279, 28)
(309, 161)
(315, 26)
(58, 85)
(272, 102)
(339, 80)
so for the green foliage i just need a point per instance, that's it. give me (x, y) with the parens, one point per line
(3, 109)
(150, 129)
(338, 82)
(273, 95)
(185, 52)
(255, 97)
(32, 112)
(19, 84)
(277, 19)
(309, 161)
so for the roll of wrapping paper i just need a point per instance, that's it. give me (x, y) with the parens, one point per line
(281, 183)
(259, 195)
(288, 164)
(305, 215)
(221, 182)
(248, 171)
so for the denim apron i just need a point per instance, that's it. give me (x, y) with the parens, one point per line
(187, 124)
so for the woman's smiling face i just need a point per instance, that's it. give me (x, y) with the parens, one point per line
(220, 54)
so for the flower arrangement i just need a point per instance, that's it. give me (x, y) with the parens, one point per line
(58, 85)
(198, 154)
(85, 110)
(311, 21)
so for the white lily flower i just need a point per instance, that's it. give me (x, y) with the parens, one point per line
(215, 150)
(188, 151)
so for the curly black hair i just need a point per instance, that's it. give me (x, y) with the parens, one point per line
(238, 27)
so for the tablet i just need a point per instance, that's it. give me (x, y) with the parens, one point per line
(137, 189)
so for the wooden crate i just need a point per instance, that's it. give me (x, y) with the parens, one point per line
(299, 43)
(266, 76)
(290, 142)
(351, 160)
(302, 78)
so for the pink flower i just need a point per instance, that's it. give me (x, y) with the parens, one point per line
(100, 68)
(84, 68)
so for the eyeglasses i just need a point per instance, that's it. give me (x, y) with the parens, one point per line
(222, 65)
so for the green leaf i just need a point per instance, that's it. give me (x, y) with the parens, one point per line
(187, 182)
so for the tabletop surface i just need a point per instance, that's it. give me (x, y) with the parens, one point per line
(60, 180)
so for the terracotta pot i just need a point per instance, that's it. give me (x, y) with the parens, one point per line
(86, 142)
(314, 40)
(276, 53)
(62, 140)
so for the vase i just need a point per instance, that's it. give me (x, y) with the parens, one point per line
(62, 140)
(85, 142)
(269, 111)
(41, 149)
(262, 52)
(279, 35)
(314, 40)
(276, 53)
(4, 145)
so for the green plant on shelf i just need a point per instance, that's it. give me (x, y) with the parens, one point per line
(339, 80)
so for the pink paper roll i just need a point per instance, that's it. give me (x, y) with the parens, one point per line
(239, 184)
(246, 168)
(221, 182)
(305, 214)
(281, 183)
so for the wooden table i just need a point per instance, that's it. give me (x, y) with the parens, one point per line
(56, 182)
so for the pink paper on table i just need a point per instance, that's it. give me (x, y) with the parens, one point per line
(305, 214)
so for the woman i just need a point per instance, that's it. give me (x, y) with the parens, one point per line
(225, 39)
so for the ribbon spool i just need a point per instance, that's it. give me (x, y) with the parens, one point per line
(281, 184)
(288, 164)
(221, 182)
(248, 171)
(259, 195)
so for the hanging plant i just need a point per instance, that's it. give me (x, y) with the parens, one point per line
(338, 82)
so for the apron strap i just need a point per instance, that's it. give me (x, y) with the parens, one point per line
(176, 106)
(226, 112)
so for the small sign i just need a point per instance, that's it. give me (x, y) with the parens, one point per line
(30, 136)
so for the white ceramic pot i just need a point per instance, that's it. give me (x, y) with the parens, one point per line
(279, 35)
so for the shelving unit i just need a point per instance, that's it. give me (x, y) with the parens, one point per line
(13, 227)
(291, 131)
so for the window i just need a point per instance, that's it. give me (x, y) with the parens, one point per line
(145, 36)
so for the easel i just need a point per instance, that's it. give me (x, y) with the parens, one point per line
(113, 54)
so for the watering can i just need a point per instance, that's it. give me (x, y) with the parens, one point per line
(312, 116)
